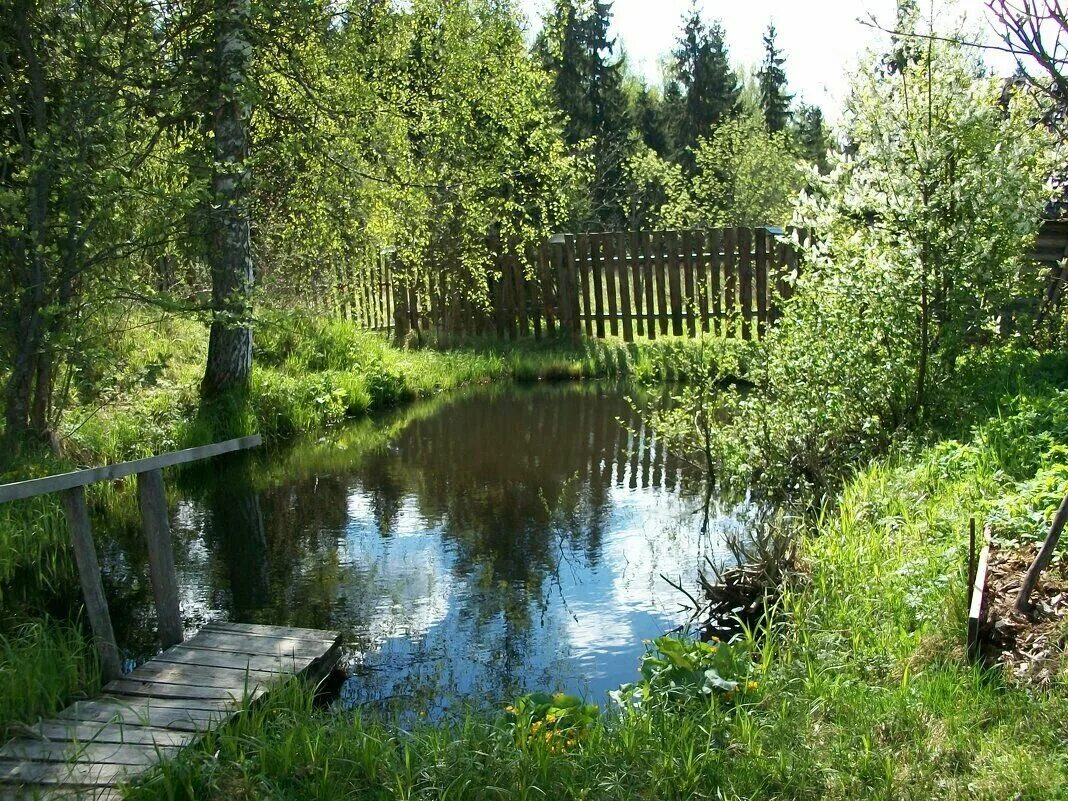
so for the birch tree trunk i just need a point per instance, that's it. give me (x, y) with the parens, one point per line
(230, 344)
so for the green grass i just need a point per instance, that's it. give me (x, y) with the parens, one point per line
(864, 688)
(44, 665)
(310, 374)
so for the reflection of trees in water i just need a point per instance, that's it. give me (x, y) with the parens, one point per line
(235, 528)
(519, 482)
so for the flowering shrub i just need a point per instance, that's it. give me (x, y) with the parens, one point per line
(559, 721)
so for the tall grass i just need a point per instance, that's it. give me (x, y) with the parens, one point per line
(44, 665)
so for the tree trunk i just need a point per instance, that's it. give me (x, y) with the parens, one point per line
(29, 249)
(230, 345)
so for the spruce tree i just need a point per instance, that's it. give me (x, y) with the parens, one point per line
(588, 83)
(707, 86)
(810, 132)
(773, 97)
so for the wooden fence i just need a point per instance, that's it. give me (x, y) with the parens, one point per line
(630, 284)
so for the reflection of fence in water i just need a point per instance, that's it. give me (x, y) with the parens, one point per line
(598, 438)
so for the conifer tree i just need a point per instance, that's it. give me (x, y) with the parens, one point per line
(708, 87)
(810, 132)
(774, 99)
(576, 49)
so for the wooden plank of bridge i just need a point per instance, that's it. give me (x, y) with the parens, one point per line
(91, 748)
(608, 242)
(82, 478)
(96, 603)
(152, 500)
(624, 287)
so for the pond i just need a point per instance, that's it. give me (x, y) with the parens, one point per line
(471, 547)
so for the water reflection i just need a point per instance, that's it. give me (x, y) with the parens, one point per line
(473, 546)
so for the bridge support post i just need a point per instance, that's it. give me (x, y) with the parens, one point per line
(96, 605)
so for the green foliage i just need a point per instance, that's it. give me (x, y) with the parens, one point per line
(560, 721)
(919, 233)
(744, 176)
(811, 135)
(678, 671)
(44, 666)
(702, 86)
(774, 100)
(589, 88)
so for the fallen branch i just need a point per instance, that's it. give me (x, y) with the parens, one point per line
(1045, 556)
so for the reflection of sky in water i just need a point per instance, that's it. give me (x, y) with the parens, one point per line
(586, 633)
(495, 542)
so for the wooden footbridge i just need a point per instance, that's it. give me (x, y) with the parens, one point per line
(193, 686)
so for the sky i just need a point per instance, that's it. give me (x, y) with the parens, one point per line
(821, 39)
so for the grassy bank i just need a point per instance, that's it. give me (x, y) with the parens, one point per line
(311, 373)
(862, 689)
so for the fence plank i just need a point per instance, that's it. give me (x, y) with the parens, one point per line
(730, 282)
(660, 268)
(598, 282)
(519, 274)
(762, 281)
(608, 242)
(745, 279)
(571, 298)
(585, 269)
(649, 281)
(534, 288)
(674, 282)
(558, 260)
(545, 278)
(701, 278)
(689, 266)
(623, 269)
(635, 266)
(715, 268)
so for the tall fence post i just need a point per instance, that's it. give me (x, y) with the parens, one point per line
(152, 499)
(96, 604)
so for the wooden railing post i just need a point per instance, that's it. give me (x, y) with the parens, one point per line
(152, 499)
(96, 605)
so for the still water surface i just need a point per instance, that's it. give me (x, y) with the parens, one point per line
(471, 547)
